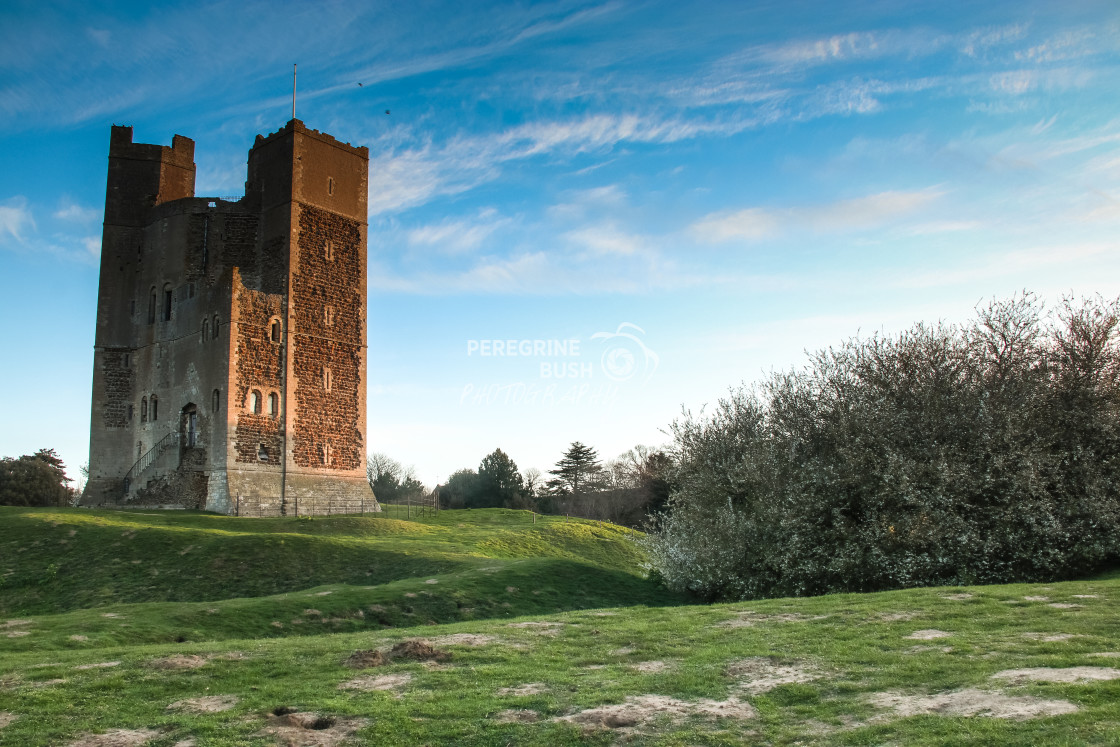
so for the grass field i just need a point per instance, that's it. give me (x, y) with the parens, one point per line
(121, 628)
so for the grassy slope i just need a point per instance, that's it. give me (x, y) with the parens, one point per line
(855, 645)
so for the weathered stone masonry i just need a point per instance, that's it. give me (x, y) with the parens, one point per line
(231, 344)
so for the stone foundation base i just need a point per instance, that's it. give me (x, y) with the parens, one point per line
(256, 493)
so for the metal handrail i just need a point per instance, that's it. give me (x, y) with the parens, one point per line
(152, 454)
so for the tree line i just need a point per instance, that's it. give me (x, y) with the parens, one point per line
(626, 490)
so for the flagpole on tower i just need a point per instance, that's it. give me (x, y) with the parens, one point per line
(294, 66)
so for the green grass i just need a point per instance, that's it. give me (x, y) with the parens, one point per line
(846, 648)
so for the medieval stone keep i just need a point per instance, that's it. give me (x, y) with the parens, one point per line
(230, 358)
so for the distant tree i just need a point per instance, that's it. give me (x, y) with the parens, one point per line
(577, 472)
(533, 481)
(460, 489)
(37, 479)
(391, 481)
(499, 482)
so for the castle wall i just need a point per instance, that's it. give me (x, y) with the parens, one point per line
(204, 303)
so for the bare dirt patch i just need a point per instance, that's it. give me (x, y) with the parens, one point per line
(1050, 674)
(116, 738)
(650, 667)
(924, 649)
(6, 718)
(624, 651)
(14, 623)
(1037, 599)
(1065, 605)
(603, 614)
(1107, 654)
(540, 627)
(365, 659)
(415, 649)
(1086, 596)
(530, 688)
(432, 581)
(972, 702)
(516, 716)
(1050, 637)
(749, 618)
(638, 710)
(99, 665)
(205, 704)
(307, 729)
(761, 674)
(463, 639)
(369, 683)
(927, 635)
(897, 616)
(179, 661)
(77, 637)
(958, 597)
(17, 633)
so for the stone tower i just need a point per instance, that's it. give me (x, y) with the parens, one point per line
(230, 356)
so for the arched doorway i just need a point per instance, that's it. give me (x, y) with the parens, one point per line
(188, 427)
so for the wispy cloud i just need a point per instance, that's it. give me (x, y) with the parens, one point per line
(457, 236)
(406, 178)
(70, 211)
(837, 217)
(15, 220)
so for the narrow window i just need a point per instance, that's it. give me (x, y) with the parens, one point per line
(328, 315)
(326, 452)
(274, 331)
(273, 405)
(144, 410)
(216, 404)
(327, 379)
(152, 307)
(166, 303)
(330, 185)
(255, 402)
(328, 250)
(132, 307)
(216, 326)
(125, 360)
(155, 408)
(130, 413)
(205, 330)
(262, 453)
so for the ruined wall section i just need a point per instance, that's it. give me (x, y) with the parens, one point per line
(327, 362)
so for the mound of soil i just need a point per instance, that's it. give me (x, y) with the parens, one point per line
(415, 649)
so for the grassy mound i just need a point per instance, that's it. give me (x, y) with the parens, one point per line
(63, 559)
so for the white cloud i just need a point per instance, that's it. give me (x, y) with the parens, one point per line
(15, 218)
(606, 240)
(844, 215)
(459, 236)
(69, 210)
(404, 179)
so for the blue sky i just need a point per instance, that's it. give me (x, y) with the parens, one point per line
(685, 196)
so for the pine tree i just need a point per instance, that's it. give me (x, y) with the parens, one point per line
(579, 471)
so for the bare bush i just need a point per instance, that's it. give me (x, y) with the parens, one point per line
(944, 455)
